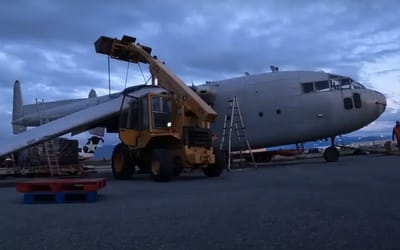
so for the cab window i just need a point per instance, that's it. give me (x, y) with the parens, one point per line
(161, 111)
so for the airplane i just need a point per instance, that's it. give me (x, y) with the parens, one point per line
(279, 107)
(33, 115)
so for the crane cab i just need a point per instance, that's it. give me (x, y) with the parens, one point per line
(145, 118)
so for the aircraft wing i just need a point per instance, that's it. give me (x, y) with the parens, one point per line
(79, 121)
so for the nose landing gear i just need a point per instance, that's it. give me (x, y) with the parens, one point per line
(331, 154)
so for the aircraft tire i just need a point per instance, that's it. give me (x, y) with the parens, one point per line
(331, 154)
(162, 165)
(122, 164)
(262, 157)
(214, 170)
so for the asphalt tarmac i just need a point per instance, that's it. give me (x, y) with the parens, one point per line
(308, 204)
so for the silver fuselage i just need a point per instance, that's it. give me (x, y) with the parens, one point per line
(278, 108)
(277, 111)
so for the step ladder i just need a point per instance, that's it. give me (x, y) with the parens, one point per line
(233, 120)
(50, 147)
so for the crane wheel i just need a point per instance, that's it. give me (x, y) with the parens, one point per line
(331, 154)
(122, 164)
(214, 170)
(178, 166)
(162, 165)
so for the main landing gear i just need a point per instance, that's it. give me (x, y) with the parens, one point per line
(331, 154)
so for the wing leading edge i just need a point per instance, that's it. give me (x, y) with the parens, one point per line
(79, 121)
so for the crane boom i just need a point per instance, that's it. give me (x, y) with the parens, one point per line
(126, 49)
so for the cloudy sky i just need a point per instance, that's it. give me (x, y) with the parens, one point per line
(48, 45)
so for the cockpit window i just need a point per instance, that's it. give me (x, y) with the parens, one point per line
(322, 86)
(336, 83)
(308, 87)
(345, 83)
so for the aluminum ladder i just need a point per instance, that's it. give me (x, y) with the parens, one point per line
(233, 120)
(50, 147)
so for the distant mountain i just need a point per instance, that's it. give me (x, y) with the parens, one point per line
(341, 141)
(104, 152)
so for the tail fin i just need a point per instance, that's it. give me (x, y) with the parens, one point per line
(98, 131)
(91, 144)
(18, 108)
(92, 94)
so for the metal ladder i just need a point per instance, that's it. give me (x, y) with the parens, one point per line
(234, 120)
(50, 146)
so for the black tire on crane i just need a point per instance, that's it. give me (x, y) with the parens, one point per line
(162, 165)
(331, 154)
(144, 161)
(214, 170)
(178, 166)
(122, 164)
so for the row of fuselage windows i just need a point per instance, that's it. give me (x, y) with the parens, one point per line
(332, 84)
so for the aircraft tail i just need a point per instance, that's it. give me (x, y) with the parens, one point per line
(91, 144)
(18, 108)
(98, 131)
(87, 151)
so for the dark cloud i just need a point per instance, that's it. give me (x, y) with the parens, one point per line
(48, 45)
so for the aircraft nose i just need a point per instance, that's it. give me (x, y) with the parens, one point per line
(380, 102)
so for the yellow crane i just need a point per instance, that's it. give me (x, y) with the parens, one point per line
(163, 127)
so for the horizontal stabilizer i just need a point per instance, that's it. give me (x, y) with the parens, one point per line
(99, 131)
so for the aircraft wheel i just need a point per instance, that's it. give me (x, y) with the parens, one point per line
(331, 154)
(123, 166)
(162, 165)
(262, 157)
(214, 170)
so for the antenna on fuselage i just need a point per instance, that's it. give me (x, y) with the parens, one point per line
(274, 68)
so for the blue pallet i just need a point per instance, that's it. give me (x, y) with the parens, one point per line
(59, 197)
